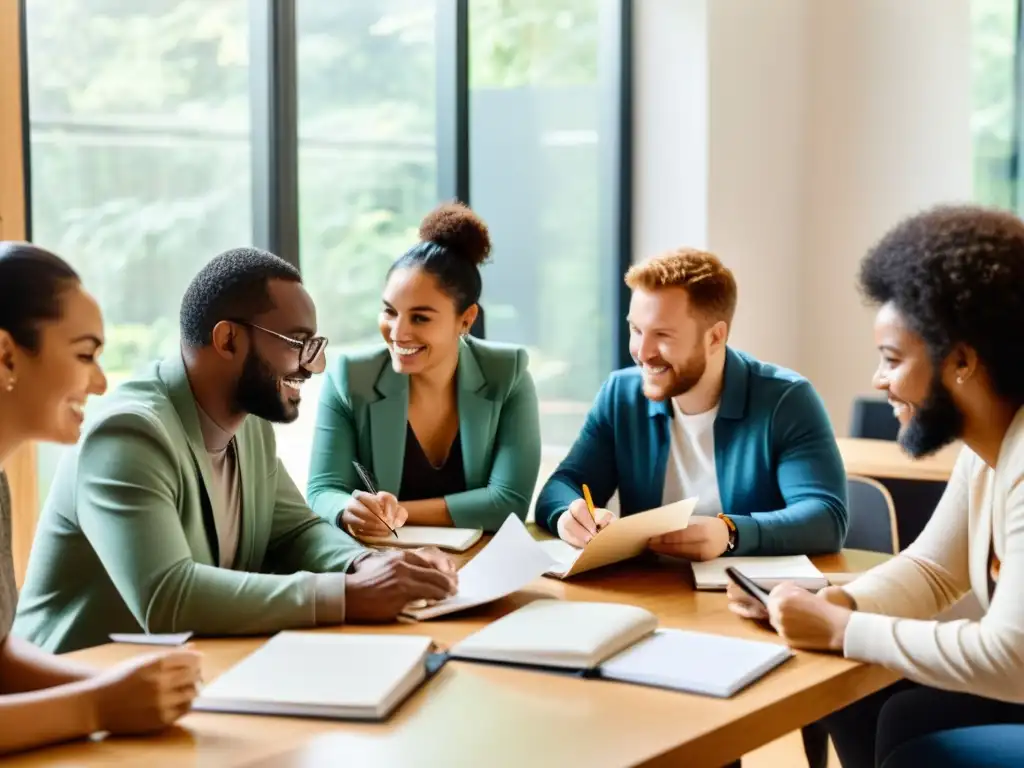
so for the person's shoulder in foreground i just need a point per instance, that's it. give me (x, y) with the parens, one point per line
(51, 332)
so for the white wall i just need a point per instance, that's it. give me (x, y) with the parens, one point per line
(786, 137)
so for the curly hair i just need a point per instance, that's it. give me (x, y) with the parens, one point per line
(232, 285)
(709, 283)
(454, 242)
(956, 275)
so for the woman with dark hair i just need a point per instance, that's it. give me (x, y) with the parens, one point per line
(949, 286)
(447, 424)
(51, 332)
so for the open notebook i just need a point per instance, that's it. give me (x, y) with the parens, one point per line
(696, 662)
(766, 571)
(556, 633)
(622, 539)
(336, 676)
(451, 539)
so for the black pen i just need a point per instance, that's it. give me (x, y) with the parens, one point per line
(371, 487)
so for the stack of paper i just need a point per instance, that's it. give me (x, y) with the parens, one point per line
(618, 541)
(451, 539)
(343, 676)
(766, 571)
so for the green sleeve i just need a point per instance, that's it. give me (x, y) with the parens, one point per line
(509, 488)
(332, 477)
(127, 508)
(300, 541)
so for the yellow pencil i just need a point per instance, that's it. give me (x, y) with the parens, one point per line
(589, 500)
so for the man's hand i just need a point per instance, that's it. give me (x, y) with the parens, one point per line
(368, 515)
(385, 582)
(704, 538)
(576, 525)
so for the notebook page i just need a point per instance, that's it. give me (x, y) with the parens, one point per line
(766, 571)
(510, 561)
(696, 662)
(354, 671)
(454, 539)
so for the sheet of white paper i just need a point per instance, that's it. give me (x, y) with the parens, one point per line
(766, 571)
(697, 662)
(510, 561)
(179, 638)
(562, 552)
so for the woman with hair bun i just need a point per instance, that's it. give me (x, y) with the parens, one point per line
(446, 425)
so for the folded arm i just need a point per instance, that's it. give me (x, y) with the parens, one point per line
(983, 658)
(332, 477)
(516, 462)
(127, 508)
(43, 698)
(591, 460)
(812, 482)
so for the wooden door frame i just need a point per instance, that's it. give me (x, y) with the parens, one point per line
(21, 466)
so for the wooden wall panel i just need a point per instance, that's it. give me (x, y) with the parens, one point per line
(20, 467)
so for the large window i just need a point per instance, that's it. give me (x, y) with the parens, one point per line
(140, 157)
(164, 132)
(537, 147)
(995, 100)
(367, 166)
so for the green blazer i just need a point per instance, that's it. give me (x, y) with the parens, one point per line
(125, 540)
(363, 414)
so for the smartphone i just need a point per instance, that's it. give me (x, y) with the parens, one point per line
(748, 585)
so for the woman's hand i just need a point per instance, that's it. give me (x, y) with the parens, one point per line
(803, 619)
(372, 515)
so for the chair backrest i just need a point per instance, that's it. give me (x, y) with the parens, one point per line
(873, 418)
(872, 516)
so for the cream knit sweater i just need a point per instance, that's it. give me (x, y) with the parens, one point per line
(896, 602)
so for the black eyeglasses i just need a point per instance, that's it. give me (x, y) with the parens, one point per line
(310, 351)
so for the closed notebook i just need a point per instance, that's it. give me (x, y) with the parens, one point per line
(451, 539)
(556, 633)
(695, 662)
(334, 676)
(766, 571)
(621, 540)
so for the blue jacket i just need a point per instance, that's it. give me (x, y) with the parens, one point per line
(780, 475)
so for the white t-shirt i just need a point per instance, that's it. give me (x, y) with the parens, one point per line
(690, 470)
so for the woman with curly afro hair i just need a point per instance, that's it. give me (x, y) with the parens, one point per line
(446, 425)
(949, 287)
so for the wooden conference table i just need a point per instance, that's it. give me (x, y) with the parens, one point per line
(476, 714)
(885, 460)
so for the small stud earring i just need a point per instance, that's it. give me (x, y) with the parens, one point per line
(10, 384)
(959, 379)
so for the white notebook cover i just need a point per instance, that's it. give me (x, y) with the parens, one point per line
(695, 662)
(344, 676)
(558, 633)
(450, 539)
(766, 571)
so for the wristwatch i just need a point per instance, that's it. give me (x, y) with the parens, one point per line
(733, 533)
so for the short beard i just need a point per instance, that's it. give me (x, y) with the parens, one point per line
(934, 425)
(257, 392)
(685, 380)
